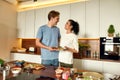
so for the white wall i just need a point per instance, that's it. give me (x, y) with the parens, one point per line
(7, 28)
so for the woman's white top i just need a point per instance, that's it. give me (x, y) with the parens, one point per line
(69, 40)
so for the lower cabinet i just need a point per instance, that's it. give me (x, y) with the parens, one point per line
(92, 65)
(27, 57)
(111, 67)
(98, 66)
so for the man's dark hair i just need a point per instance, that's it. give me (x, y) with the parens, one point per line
(53, 14)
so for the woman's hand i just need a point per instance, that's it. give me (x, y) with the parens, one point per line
(53, 48)
(70, 49)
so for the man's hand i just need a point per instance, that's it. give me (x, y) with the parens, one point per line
(53, 48)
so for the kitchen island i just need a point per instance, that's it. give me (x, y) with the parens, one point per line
(44, 73)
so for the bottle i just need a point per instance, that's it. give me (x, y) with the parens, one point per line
(4, 73)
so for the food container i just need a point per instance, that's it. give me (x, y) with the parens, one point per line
(16, 71)
(31, 49)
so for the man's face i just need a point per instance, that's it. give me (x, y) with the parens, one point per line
(55, 20)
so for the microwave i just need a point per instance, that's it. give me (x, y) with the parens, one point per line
(110, 48)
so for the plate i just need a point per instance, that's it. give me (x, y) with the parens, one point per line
(93, 75)
(61, 48)
(33, 66)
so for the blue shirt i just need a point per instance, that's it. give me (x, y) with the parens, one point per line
(49, 36)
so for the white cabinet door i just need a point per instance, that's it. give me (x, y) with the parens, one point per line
(111, 67)
(25, 57)
(77, 63)
(92, 65)
(92, 19)
(39, 18)
(64, 15)
(77, 13)
(109, 14)
(21, 24)
(30, 24)
(26, 24)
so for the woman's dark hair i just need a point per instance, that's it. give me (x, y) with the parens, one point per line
(53, 14)
(75, 26)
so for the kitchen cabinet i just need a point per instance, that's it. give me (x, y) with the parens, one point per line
(26, 57)
(30, 24)
(64, 15)
(109, 14)
(21, 24)
(103, 66)
(77, 63)
(26, 24)
(77, 13)
(92, 65)
(87, 15)
(39, 18)
(92, 18)
(111, 67)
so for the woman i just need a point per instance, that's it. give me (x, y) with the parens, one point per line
(69, 43)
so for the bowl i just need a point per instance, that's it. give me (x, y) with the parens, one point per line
(93, 75)
(58, 71)
(16, 71)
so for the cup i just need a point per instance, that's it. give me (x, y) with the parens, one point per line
(73, 70)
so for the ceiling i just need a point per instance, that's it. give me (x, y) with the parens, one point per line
(19, 1)
(29, 4)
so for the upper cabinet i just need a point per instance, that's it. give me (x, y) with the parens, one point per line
(39, 19)
(21, 24)
(87, 15)
(26, 24)
(92, 18)
(30, 24)
(109, 14)
(77, 13)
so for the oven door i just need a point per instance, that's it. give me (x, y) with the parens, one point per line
(109, 49)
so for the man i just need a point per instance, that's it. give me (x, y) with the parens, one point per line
(48, 39)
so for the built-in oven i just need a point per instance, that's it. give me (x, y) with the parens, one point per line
(110, 48)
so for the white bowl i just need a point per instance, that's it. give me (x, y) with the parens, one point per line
(94, 75)
(15, 71)
(58, 71)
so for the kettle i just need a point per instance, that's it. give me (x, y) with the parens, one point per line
(31, 49)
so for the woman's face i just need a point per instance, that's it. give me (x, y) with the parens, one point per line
(68, 25)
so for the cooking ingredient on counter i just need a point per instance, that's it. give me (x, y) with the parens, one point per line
(33, 65)
(16, 49)
(19, 63)
(21, 50)
(16, 71)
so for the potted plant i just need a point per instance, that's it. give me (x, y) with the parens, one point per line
(111, 31)
(82, 48)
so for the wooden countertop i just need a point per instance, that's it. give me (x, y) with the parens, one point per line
(49, 71)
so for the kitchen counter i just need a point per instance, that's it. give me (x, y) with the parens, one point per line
(85, 58)
(35, 58)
